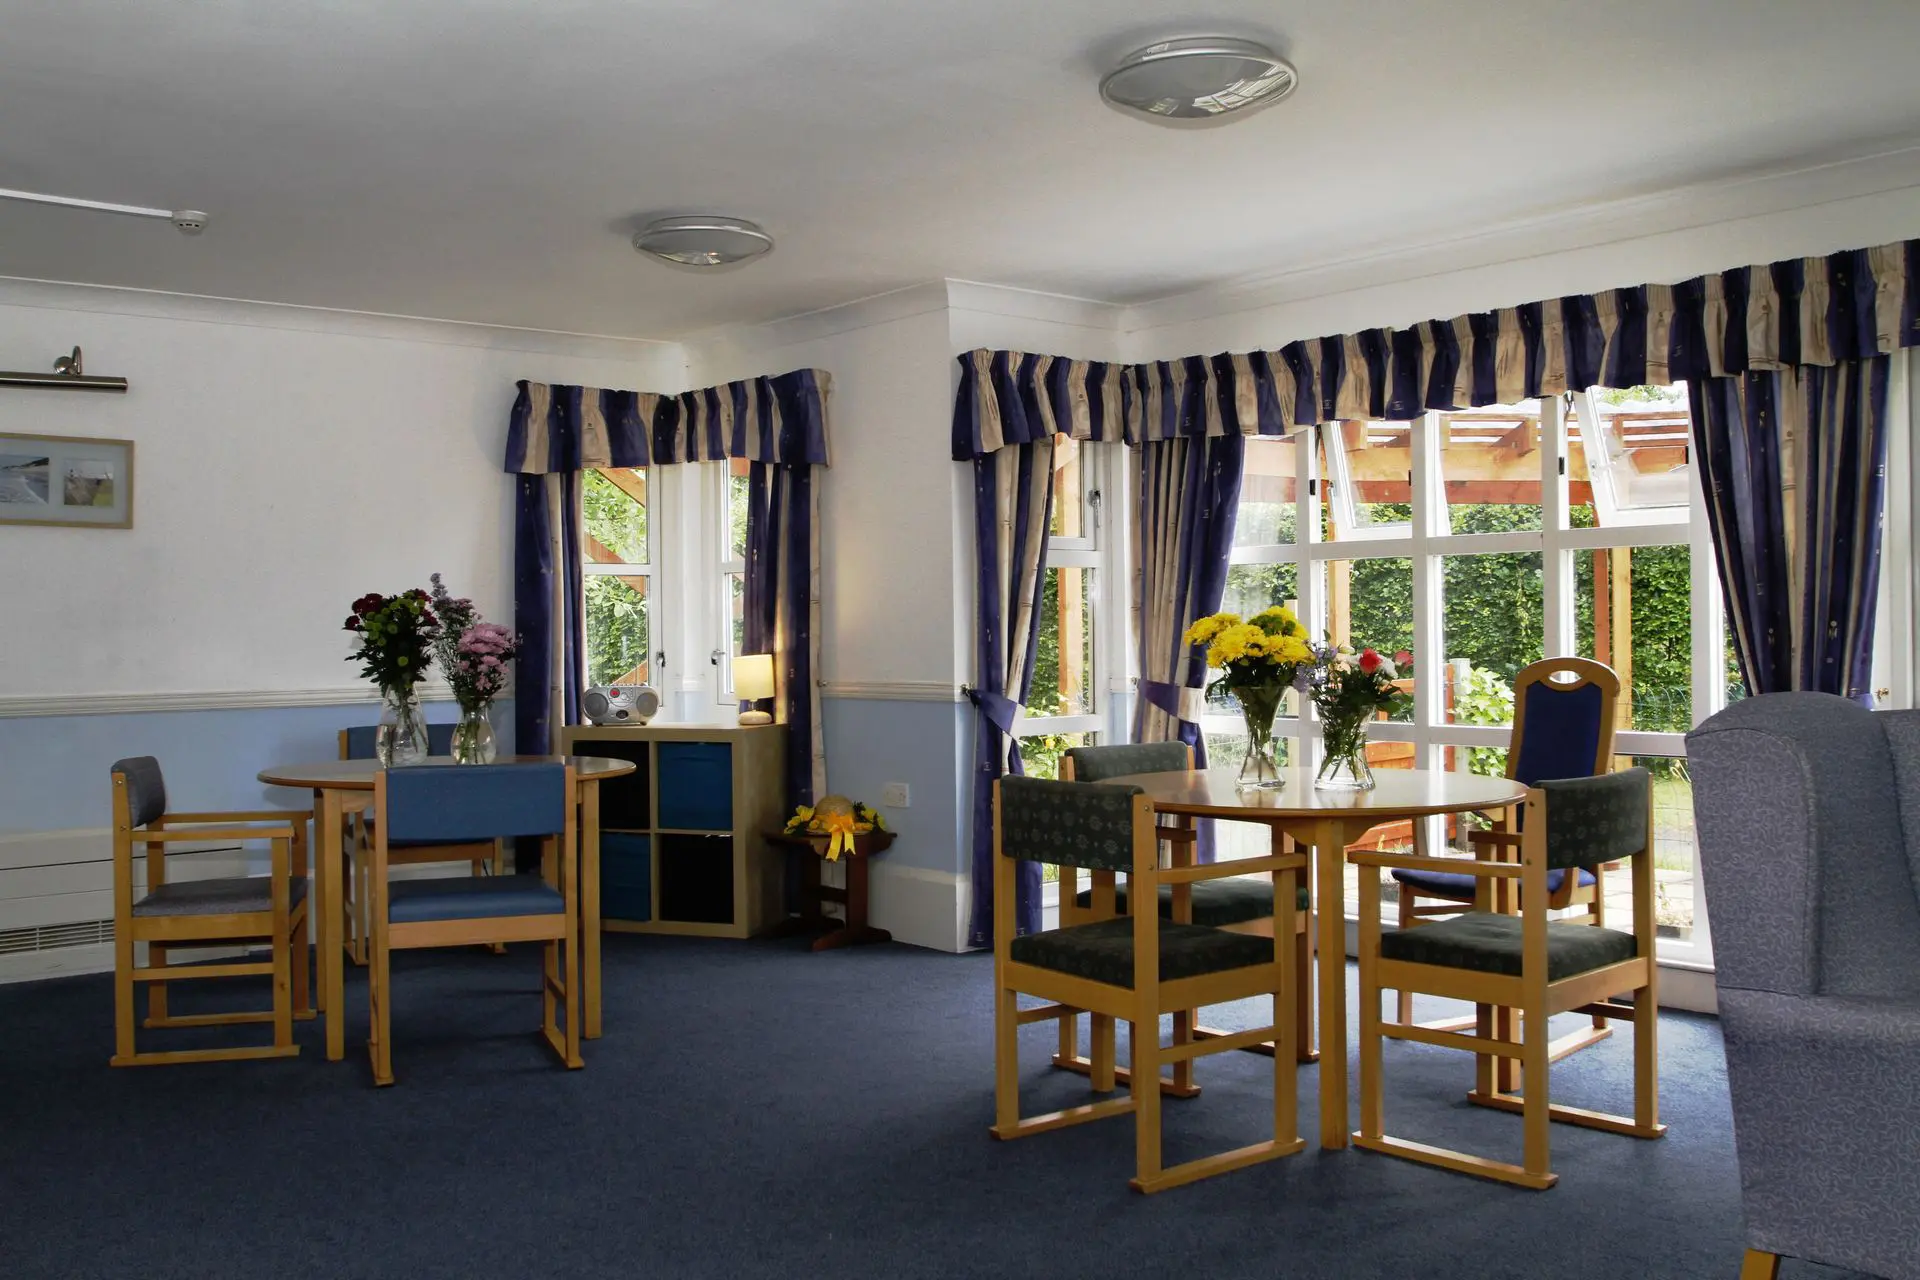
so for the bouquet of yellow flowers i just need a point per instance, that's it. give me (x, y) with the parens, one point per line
(1259, 659)
(1268, 649)
(838, 818)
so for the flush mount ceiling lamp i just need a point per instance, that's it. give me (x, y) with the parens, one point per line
(702, 240)
(1199, 80)
(189, 222)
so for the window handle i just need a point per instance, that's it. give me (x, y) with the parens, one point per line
(715, 657)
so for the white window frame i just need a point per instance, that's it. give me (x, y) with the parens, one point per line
(656, 638)
(1101, 549)
(1427, 539)
(718, 494)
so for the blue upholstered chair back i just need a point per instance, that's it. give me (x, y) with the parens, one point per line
(1068, 824)
(146, 790)
(1559, 726)
(1097, 764)
(458, 804)
(360, 740)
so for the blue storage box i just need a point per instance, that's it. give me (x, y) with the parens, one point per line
(696, 786)
(626, 876)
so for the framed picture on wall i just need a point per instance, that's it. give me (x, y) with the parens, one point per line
(71, 480)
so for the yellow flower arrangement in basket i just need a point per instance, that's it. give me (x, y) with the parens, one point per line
(837, 818)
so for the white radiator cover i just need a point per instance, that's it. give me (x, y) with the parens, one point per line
(56, 897)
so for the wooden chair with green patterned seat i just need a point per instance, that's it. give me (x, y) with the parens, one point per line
(1243, 904)
(1563, 726)
(1499, 959)
(357, 743)
(1131, 969)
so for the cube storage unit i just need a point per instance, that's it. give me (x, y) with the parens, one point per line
(682, 838)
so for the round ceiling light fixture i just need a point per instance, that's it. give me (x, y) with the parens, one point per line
(1199, 80)
(702, 240)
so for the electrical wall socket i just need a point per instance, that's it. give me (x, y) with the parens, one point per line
(894, 795)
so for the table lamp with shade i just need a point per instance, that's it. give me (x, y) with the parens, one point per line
(752, 681)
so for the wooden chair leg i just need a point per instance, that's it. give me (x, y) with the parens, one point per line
(1183, 1034)
(1101, 1052)
(1536, 1118)
(1407, 921)
(1760, 1265)
(123, 997)
(1372, 1109)
(1006, 1062)
(380, 1011)
(1069, 1049)
(1304, 1050)
(1646, 1060)
(156, 991)
(283, 991)
(302, 968)
(1145, 1085)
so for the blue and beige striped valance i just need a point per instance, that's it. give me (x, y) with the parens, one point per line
(776, 419)
(1804, 311)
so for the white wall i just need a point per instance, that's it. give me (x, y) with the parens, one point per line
(1526, 266)
(287, 461)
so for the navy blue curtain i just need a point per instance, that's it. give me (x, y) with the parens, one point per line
(1794, 469)
(1183, 539)
(546, 611)
(782, 570)
(1012, 509)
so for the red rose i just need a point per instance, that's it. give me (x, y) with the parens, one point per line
(1403, 659)
(353, 624)
(1369, 661)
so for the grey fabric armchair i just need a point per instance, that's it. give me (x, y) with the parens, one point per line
(1808, 811)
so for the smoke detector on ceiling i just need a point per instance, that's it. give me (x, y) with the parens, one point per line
(1199, 80)
(702, 240)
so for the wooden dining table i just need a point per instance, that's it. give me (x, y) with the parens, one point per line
(1329, 821)
(343, 786)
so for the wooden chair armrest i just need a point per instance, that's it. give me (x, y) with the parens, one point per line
(1177, 835)
(281, 816)
(213, 833)
(1414, 862)
(1235, 867)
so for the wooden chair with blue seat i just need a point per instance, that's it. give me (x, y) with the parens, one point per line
(357, 743)
(229, 911)
(1131, 969)
(1243, 904)
(1563, 725)
(1499, 959)
(466, 804)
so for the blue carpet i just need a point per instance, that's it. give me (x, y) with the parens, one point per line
(755, 1110)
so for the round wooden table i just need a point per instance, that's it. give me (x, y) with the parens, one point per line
(1329, 821)
(341, 785)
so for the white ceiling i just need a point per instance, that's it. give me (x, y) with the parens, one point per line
(485, 160)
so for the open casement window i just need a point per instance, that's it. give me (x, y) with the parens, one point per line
(618, 575)
(1483, 540)
(1064, 705)
(732, 539)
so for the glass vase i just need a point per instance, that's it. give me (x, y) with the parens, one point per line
(1345, 767)
(401, 738)
(1259, 704)
(473, 736)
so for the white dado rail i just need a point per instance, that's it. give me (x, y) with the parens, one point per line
(16, 706)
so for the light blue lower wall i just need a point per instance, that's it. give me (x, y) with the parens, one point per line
(874, 741)
(53, 769)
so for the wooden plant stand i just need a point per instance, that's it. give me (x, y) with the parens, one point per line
(854, 931)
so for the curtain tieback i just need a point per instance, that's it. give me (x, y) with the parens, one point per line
(1177, 700)
(999, 709)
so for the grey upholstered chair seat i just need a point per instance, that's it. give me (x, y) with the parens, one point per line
(227, 895)
(1103, 951)
(1490, 943)
(1217, 904)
